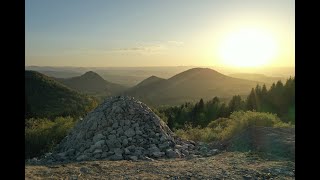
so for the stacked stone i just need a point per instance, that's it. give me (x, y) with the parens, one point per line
(120, 128)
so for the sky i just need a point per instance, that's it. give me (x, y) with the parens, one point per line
(108, 33)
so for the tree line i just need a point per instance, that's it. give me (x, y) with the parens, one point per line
(279, 99)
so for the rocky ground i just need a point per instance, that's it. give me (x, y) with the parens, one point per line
(225, 165)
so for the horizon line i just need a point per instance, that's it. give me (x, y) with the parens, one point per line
(159, 66)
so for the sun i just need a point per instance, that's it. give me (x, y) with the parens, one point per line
(248, 47)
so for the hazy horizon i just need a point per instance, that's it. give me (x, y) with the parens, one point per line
(229, 34)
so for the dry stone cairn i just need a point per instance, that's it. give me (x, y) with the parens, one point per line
(120, 128)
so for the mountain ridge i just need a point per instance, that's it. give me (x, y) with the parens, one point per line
(92, 83)
(191, 85)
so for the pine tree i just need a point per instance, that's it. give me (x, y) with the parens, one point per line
(264, 92)
(251, 103)
(201, 105)
(235, 104)
(215, 100)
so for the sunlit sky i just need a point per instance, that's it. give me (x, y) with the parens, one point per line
(106, 33)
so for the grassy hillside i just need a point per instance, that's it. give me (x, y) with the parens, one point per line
(45, 97)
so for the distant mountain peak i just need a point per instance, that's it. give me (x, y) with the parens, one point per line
(197, 69)
(198, 73)
(91, 82)
(149, 80)
(91, 73)
(153, 77)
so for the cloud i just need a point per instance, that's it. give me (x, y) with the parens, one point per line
(143, 48)
(177, 43)
(140, 48)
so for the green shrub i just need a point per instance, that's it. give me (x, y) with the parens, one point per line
(225, 128)
(197, 134)
(41, 135)
(241, 120)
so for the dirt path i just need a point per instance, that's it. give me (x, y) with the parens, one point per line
(226, 165)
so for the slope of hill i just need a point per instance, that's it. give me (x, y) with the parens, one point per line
(92, 83)
(45, 97)
(258, 77)
(191, 85)
(60, 74)
(150, 83)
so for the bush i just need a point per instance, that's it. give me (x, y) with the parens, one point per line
(197, 134)
(241, 120)
(225, 128)
(41, 135)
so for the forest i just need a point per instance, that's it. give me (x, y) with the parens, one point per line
(279, 99)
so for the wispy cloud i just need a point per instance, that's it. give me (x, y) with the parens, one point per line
(142, 48)
(177, 43)
(150, 48)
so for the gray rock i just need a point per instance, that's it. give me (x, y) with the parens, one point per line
(185, 152)
(100, 143)
(129, 133)
(113, 144)
(70, 152)
(178, 153)
(82, 157)
(94, 126)
(158, 154)
(125, 142)
(126, 151)
(153, 149)
(82, 148)
(115, 125)
(117, 109)
(120, 131)
(135, 125)
(164, 145)
(112, 137)
(116, 157)
(138, 151)
(133, 158)
(118, 151)
(97, 151)
(104, 155)
(98, 137)
(171, 153)
(109, 129)
(163, 138)
(127, 122)
(213, 152)
(97, 155)
(62, 155)
(185, 146)
(132, 147)
(191, 147)
(125, 128)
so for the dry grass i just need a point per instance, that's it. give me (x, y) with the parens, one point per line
(227, 165)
